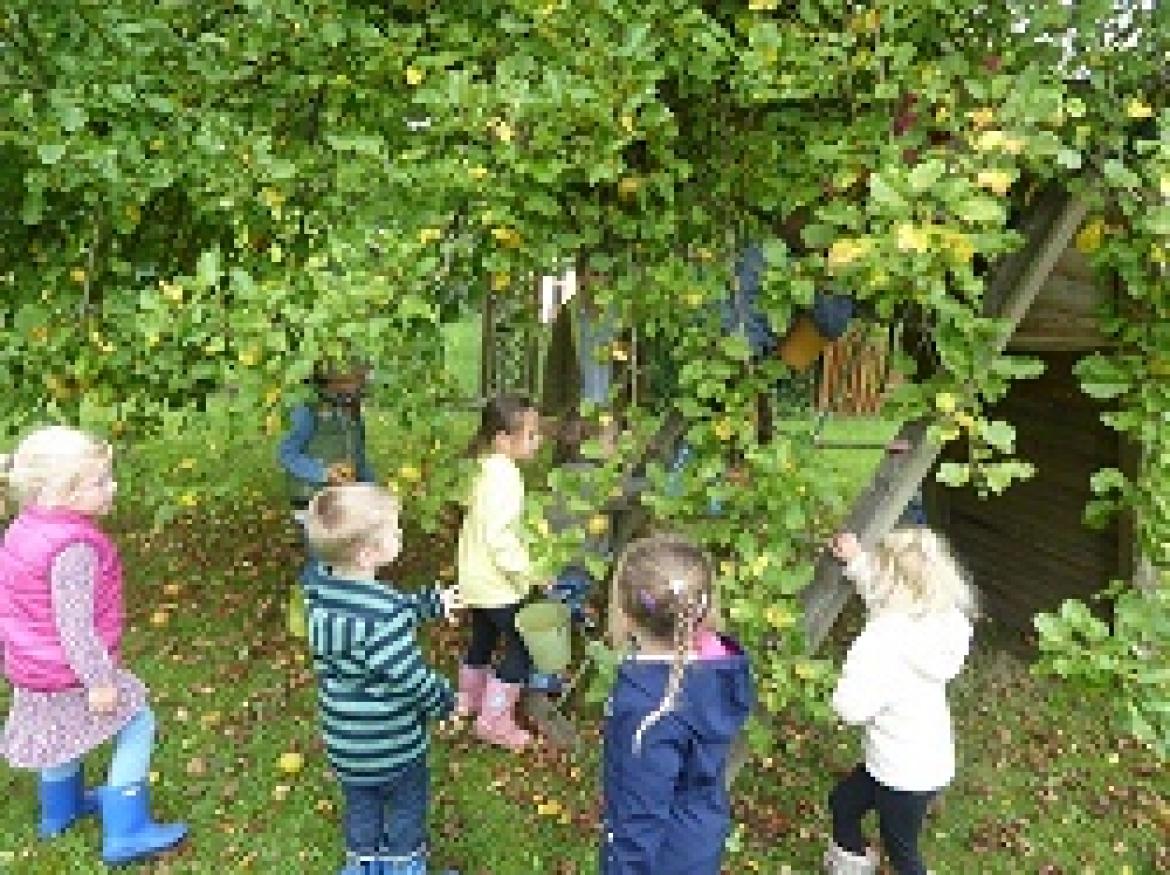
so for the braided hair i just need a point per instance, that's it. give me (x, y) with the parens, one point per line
(664, 585)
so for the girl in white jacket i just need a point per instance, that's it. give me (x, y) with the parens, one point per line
(916, 637)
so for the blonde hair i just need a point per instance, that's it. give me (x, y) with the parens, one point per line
(49, 465)
(664, 585)
(915, 571)
(342, 519)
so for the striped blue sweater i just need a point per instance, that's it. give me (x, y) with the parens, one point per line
(374, 691)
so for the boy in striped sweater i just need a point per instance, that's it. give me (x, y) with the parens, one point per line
(375, 693)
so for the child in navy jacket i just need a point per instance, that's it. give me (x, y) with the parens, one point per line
(678, 704)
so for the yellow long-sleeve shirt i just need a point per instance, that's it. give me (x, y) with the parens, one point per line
(494, 568)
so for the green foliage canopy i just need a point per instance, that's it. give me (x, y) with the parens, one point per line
(205, 195)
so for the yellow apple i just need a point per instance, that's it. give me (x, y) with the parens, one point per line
(291, 762)
(1090, 237)
(998, 181)
(912, 238)
(1138, 109)
(628, 187)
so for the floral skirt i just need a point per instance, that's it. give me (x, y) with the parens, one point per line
(45, 730)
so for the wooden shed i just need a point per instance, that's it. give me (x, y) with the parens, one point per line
(1028, 549)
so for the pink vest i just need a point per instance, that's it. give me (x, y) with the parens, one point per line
(33, 656)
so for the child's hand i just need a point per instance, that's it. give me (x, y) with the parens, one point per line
(339, 473)
(452, 600)
(103, 700)
(846, 547)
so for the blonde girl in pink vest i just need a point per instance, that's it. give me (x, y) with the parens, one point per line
(61, 630)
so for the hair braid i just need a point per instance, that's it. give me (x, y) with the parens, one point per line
(684, 632)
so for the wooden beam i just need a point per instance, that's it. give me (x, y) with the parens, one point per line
(1013, 286)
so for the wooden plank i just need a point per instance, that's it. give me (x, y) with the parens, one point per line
(1065, 315)
(1014, 285)
(1017, 564)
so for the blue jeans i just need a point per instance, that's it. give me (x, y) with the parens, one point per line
(132, 748)
(388, 818)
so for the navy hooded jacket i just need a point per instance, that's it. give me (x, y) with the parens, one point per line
(666, 807)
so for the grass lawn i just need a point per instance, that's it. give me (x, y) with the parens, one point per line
(1044, 785)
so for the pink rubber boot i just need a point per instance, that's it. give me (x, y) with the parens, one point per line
(496, 723)
(469, 698)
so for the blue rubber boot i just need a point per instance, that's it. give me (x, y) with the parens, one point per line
(63, 802)
(128, 833)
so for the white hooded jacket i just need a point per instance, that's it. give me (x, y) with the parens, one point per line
(894, 683)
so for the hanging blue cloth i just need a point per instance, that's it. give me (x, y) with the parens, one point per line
(832, 314)
(741, 312)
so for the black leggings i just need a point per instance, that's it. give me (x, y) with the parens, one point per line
(488, 625)
(900, 817)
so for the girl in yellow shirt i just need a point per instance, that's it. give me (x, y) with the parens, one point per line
(495, 572)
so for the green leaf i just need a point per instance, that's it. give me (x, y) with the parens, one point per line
(1107, 480)
(925, 175)
(980, 210)
(885, 195)
(362, 144)
(1117, 174)
(1103, 378)
(207, 269)
(1001, 435)
(72, 118)
(998, 476)
(818, 235)
(1051, 631)
(1069, 159)
(280, 169)
(1019, 367)
(1157, 221)
(50, 153)
(735, 346)
(953, 474)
